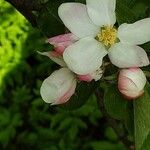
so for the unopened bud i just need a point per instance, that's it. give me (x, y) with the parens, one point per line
(58, 87)
(131, 82)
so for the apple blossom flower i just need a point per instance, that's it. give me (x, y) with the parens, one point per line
(131, 82)
(93, 24)
(60, 42)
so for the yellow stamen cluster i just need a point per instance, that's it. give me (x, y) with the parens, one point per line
(107, 36)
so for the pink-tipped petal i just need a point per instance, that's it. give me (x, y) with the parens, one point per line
(54, 56)
(124, 55)
(131, 82)
(64, 98)
(87, 78)
(58, 87)
(60, 49)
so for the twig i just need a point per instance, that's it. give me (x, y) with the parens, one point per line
(112, 122)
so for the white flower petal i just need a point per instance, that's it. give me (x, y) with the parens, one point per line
(58, 87)
(102, 12)
(54, 56)
(84, 56)
(126, 56)
(136, 33)
(76, 19)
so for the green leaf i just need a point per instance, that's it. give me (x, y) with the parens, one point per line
(124, 13)
(146, 46)
(83, 92)
(142, 13)
(142, 119)
(130, 3)
(115, 104)
(48, 20)
(105, 145)
(81, 1)
(146, 143)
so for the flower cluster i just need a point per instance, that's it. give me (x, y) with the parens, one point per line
(93, 36)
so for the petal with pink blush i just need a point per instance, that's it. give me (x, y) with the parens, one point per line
(60, 49)
(58, 87)
(124, 55)
(64, 98)
(87, 78)
(54, 56)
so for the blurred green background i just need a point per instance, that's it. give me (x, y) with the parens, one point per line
(26, 122)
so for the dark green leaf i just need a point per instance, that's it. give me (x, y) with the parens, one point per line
(105, 145)
(130, 3)
(124, 13)
(146, 46)
(115, 104)
(142, 13)
(146, 144)
(142, 119)
(48, 20)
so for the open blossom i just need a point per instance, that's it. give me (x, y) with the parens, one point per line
(93, 24)
(131, 82)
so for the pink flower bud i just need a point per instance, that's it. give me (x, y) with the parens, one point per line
(60, 42)
(131, 83)
(58, 87)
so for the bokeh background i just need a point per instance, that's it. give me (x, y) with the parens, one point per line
(26, 122)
